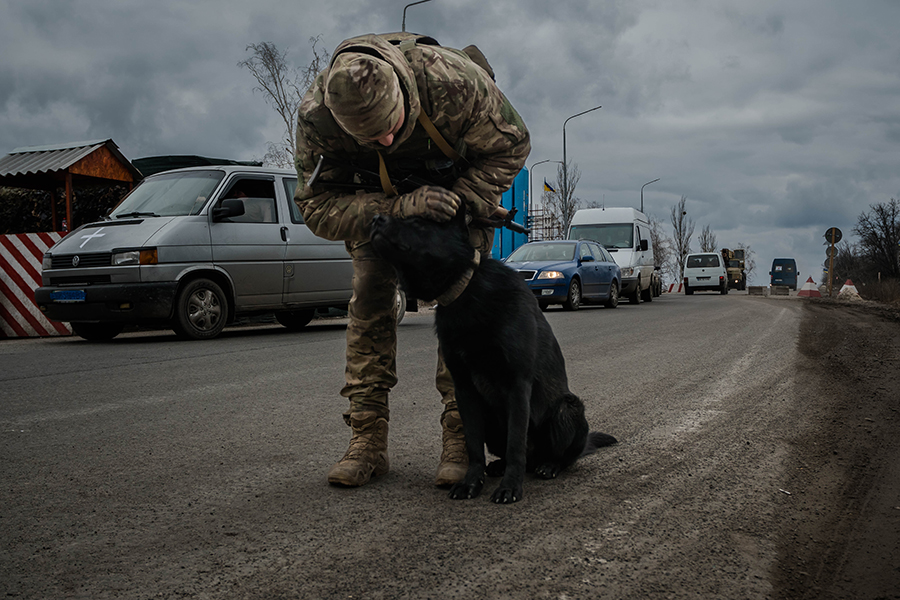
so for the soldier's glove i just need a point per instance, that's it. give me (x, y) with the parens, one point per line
(430, 202)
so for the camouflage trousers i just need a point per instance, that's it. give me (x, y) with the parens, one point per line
(371, 369)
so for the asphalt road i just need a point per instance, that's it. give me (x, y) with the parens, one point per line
(153, 468)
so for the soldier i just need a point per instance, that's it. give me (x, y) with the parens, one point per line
(366, 120)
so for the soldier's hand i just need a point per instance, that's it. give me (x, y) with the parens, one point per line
(430, 202)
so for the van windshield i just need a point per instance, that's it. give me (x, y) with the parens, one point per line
(612, 236)
(169, 195)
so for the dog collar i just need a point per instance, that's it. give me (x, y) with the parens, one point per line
(456, 290)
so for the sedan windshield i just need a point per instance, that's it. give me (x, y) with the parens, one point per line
(543, 252)
(611, 236)
(169, 195)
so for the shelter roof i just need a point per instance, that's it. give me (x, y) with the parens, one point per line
(36, 166)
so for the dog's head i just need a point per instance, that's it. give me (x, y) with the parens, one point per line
(429, 256)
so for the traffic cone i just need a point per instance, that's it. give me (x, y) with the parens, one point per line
(848, 290)
(809, 289)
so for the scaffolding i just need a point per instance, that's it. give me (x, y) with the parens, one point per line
(544, 226)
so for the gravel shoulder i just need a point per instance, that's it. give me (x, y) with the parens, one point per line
(840, 532)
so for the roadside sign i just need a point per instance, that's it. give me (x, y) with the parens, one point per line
(830, 251)
(833, 235)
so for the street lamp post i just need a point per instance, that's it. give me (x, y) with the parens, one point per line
(404, 11)
(565, 184)
(642, 192)
(530, 182)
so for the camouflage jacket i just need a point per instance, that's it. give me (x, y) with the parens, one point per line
(463, 102)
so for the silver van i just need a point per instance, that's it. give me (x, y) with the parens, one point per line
(193, 249)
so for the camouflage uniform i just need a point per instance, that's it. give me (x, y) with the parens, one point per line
(474, 117)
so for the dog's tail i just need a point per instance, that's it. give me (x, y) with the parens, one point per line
(596, 440)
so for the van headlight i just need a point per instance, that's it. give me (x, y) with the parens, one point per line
(136, 257)
(47, 262)
(551, 275)
(627, 271)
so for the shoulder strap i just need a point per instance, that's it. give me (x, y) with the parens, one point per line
(436, 136)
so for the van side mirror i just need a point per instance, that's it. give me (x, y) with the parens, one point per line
(230, 207)
(644, 245)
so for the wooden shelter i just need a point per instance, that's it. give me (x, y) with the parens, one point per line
(48, 168)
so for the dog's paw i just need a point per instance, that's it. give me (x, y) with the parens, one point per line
(506, 495)
(548, 471)
(496, 468)
(466, 491)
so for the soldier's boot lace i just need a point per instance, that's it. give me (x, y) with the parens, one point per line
(454, 458)
(367, 455)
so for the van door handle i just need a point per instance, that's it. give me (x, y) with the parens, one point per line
(284, 234)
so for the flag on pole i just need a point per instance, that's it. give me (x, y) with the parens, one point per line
(547, 187)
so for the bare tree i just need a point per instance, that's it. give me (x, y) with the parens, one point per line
(683, 229)
(663, 253)
(707, 240)
(562, 203)
(749, 260)
(879, 236)
(283, 87)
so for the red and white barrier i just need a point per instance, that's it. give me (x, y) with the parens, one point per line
(809, 290)
(20, 275)
(676, 288)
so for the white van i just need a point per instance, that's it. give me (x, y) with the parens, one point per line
(193, 249)
(625, 233)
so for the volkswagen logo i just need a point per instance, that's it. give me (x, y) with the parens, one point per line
(75, 260)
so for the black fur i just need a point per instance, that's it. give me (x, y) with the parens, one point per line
(507, 367)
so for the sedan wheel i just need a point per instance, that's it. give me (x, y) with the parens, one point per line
(573, 300)
(613, 300)
(200, 310)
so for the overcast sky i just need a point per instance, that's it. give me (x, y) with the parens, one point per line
(777, 120)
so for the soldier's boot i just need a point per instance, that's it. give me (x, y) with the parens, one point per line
(367, 455)
(454, 458)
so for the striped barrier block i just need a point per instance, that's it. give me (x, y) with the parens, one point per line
(20, 275)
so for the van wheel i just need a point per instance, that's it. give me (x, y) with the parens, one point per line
(573, 299)
(200, 310)
(296, 320)
(97, 332)
(635, 296)
(687, 290)
(400, 305)
(724, 289)
(647, 295)
(613, 300)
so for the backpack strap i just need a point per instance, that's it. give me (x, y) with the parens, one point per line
(438, 139)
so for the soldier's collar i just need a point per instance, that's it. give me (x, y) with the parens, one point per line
(456, 290)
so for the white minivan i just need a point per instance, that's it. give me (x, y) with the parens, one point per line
(705, 271)
(193, 249)
(625, 233)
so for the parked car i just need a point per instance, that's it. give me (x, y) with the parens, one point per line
(568, 272)
(193, 249)
(625, 233)
(705, 271)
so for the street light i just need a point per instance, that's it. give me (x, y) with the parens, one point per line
(530, 185)
(407, 6)
(642, 192)
(565, 164)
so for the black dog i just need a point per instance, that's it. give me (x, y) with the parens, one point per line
(507, 367)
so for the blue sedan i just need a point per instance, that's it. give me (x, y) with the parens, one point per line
(568, 272)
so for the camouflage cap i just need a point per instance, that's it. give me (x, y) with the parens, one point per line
(363, 94)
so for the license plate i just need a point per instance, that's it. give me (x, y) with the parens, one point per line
(703, 279)
(67, 296)
(546, 292)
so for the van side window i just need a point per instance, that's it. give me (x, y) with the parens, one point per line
(290, 186)
(259, 200)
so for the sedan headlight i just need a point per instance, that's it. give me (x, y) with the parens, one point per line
(551, 275)
(47, 262)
